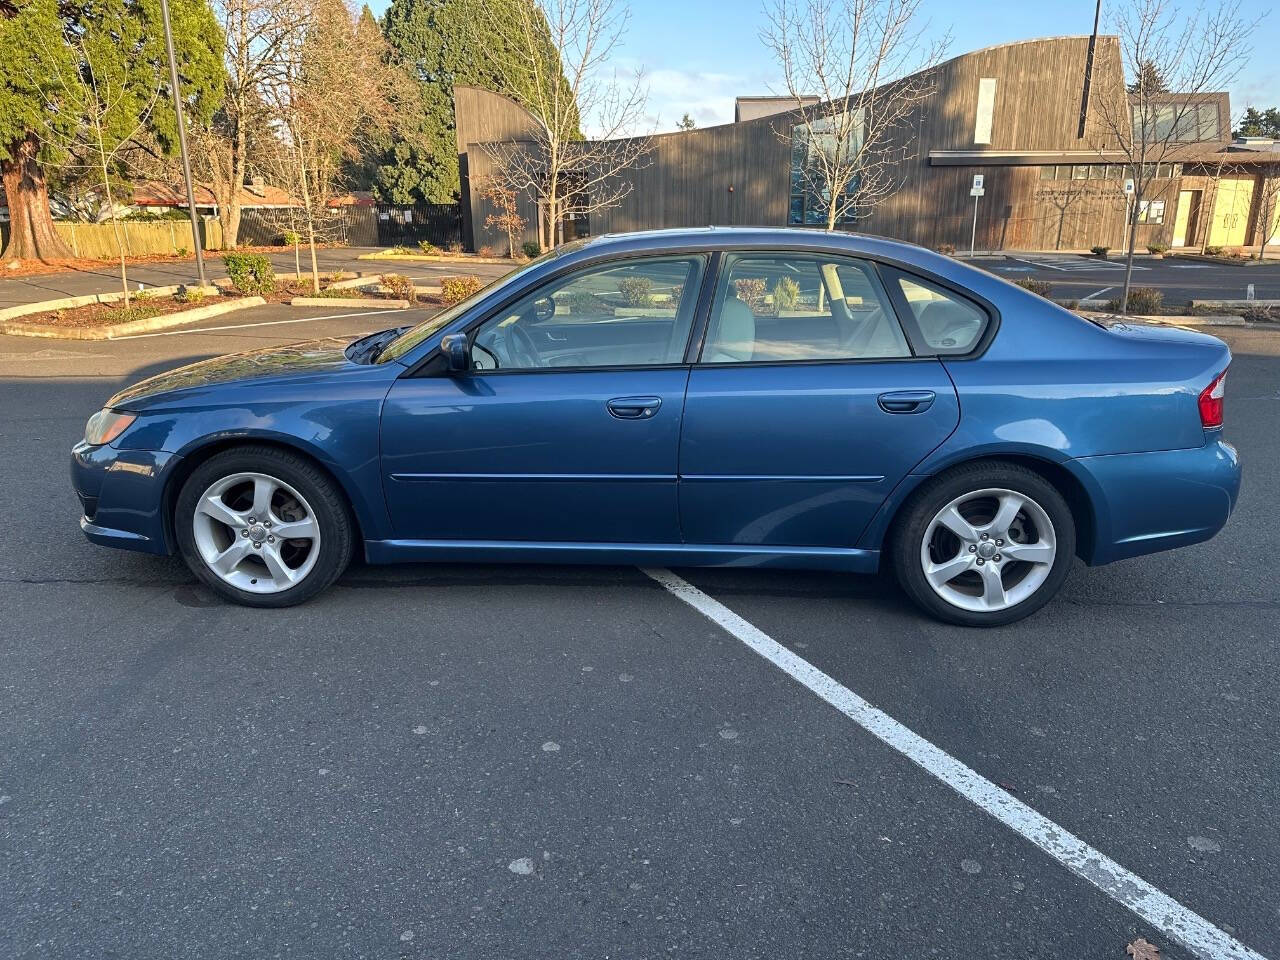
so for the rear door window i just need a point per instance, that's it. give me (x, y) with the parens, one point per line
(790, 307)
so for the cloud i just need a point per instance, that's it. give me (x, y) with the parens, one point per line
(707, 96)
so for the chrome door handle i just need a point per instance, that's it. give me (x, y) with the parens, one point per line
(634, 408)
(906, 401)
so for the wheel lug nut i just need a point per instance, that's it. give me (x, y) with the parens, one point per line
(273, 540)
(980, 561)
(999, 543)
(244, 532)
(996, 558)
(984, 536)
(252, 520)
(972, 548)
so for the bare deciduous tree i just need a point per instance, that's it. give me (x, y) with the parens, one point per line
(506, 215)
(1268, 207)
(562, 172)
(111, 114)
(1179, 59)
(258, 34)
(867, 63)
(331, 91)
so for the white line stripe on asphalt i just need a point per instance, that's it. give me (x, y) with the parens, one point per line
(1095, 296)
(264, 323)
(1191, 930)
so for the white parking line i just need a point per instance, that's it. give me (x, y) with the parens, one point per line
(1191, 930)
(265, 323)
(1098, 294)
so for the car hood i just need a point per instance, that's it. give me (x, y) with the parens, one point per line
(290, 360)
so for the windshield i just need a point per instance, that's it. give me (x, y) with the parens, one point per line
(415, 335)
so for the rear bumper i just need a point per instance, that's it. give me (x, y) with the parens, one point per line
(122, 495)
(1148, 502)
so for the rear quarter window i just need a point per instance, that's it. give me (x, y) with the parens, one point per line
(944, 322)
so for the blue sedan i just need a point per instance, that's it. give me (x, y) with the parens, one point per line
(757, 398)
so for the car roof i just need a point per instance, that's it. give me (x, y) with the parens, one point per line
(749, 237)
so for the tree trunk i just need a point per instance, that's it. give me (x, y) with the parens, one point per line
(31, 232)
(1128, 260)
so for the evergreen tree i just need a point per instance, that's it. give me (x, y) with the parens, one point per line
(1259, 123)
(1149, 79)
(41, 105)
(686, 123)
(435, 41)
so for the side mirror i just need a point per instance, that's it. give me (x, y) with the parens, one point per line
(457, 352)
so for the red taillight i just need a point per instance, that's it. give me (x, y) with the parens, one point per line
(1211, 401)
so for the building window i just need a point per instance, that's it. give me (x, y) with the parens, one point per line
(1175, 121)
(1047, 172)
(986, 110)
(809, 196)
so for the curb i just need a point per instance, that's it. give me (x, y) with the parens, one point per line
(426, 259)
(372, 302)
(68, 303)
(178, 319)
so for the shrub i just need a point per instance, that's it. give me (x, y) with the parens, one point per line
(400, 250)
(453, 246)
(1259, 313)
(1143, 301)
(250, 273)
(1100, 250)
(429, 248)
(189, 295)
(1041, 288)
(1213, 251)
(636, 291)
(182, 251)
(948, 248)
(1068, 304)
(583, 303)
(1158, 248)
(786, 294)
(456, 289)
(532, 249)
(750, 290)
(400, 287)
(291, 238)
(135, 311)
(677, 294)
(486, 250)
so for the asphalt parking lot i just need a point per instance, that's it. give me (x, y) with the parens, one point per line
(1180, 279)
(491, 762)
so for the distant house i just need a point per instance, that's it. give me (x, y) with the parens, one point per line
(158, 197)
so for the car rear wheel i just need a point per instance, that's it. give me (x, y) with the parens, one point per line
(984, 544)
(263, 527)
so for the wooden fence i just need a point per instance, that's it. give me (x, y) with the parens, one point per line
(97, 241)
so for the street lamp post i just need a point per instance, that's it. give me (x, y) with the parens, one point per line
(182, 141)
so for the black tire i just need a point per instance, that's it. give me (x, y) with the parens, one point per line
(327, 501)
(916, 515)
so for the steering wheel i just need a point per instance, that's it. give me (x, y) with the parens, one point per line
(520, 346)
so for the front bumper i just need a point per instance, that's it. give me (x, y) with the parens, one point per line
(1148, 502)
(122, 495)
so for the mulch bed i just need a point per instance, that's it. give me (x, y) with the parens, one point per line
(109, 314)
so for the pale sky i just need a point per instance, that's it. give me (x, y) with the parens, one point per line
(697, 55)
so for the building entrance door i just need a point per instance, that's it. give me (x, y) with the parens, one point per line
(1230, 213)
(1185, 220)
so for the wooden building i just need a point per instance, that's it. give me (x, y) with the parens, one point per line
(1019, 114)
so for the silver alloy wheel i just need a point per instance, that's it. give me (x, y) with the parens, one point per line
(988, 550)
(256, 532)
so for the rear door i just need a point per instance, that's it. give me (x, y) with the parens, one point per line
(807, 405)
(567, 429)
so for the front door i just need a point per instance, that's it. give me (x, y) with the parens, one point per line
(808, 404)
(1231, 212)
(1184, 219)
(568, 428)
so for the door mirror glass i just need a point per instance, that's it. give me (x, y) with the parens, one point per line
(457, 352)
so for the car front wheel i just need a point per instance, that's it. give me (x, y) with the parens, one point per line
(263, 527)
(984, 544)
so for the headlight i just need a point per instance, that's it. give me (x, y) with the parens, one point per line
(105, 425)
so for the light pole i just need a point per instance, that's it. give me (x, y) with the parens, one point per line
(182, 141)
